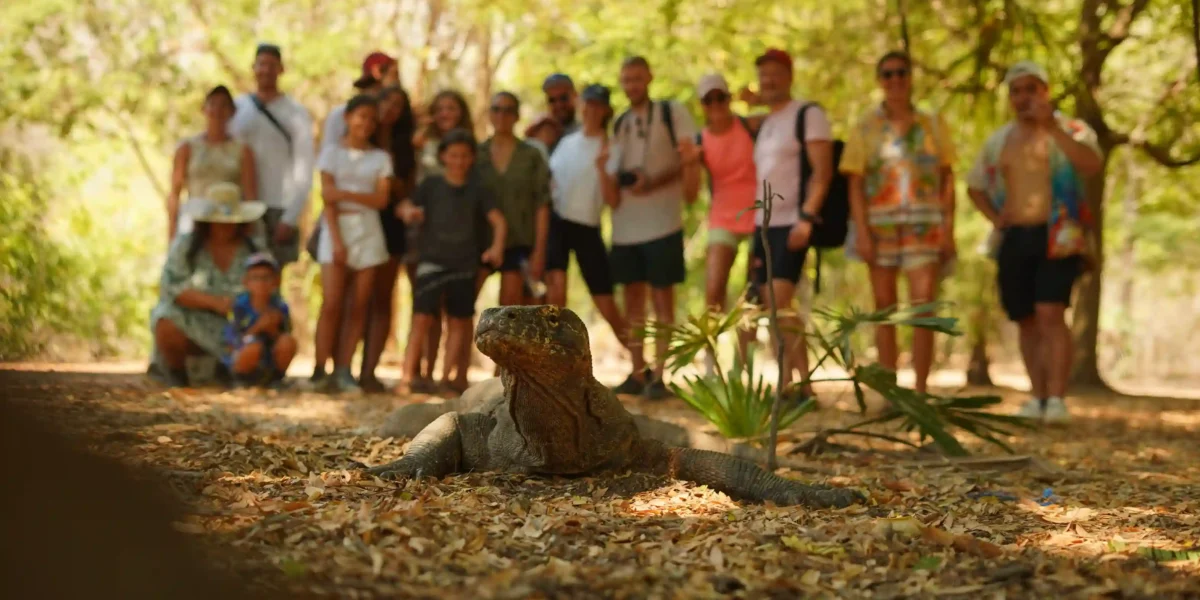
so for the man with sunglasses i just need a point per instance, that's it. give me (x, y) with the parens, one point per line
(1029, 182)
(725, 149)
(647, 217)
(798, 194)
(560, 99)
(900, 160)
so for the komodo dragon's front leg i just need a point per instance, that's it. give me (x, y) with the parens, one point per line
(452, 443)
(740, 478)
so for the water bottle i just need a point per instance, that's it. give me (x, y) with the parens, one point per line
(533, 287)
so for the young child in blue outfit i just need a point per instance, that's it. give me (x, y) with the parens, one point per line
(258, 338)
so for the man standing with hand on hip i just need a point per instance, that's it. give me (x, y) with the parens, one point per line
(279, 131)
(646, 182)
(1028, 182)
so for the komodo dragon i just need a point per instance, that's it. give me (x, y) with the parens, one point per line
(554, 418)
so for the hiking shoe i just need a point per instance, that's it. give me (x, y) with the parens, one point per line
(1055, 411)
(631, 386)
(1034, 408)
(422, 386)
(371, 385)
(176, 378)
(657, 390)
(344, 381)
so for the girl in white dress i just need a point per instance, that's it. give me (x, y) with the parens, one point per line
(355, 183)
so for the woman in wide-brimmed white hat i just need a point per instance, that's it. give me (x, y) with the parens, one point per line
(201, 277)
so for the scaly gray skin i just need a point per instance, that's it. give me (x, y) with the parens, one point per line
(554, 418)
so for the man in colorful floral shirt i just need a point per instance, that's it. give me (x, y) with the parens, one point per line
(1028, 182)
(900, 161)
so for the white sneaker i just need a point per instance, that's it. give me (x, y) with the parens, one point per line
(1032, 409)
(1056, 411)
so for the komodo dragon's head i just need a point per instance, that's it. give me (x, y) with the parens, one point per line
(535, 340)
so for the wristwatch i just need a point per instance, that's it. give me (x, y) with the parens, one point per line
(811, 218)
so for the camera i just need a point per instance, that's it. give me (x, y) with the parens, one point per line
(626, 178)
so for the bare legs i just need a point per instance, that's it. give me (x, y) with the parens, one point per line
(635, 317)
(1046, 347)
(379, 323)
(720, 260)
(795, 346)
(922, 288)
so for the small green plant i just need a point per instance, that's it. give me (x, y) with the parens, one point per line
(738, 402)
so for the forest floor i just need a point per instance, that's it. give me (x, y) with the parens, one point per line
(269, 489)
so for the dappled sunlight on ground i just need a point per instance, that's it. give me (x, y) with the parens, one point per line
(272, 488)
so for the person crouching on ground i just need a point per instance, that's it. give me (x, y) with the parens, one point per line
(259, 336)
(355, 182)
(450, 208)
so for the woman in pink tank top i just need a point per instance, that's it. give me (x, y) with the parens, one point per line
(725, 149)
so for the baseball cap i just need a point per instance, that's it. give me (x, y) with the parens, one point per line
(557, 79)
(776, 55)
(1026, 67)
(596, 93)
(374, 59)
(711, 82)
(261, 259)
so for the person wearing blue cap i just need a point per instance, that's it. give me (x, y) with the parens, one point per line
(259, 344)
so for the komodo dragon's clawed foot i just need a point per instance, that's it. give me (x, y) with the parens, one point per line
(399, 470)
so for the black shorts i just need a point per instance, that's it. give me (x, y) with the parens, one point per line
(657, 262)
(512, 260)
(567, 236)
(452, 289)
(785, 264)
(393, 232)
(1025, 275)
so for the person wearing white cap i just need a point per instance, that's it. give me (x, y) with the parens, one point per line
(1028, 181)
(725, 149)
(202, 275)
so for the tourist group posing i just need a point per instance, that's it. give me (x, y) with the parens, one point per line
(424, 197)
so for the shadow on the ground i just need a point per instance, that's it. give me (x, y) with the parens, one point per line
(246, 464)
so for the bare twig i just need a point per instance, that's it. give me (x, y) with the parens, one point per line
(773, 318)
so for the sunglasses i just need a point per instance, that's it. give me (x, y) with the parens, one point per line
(561, 98)
(504, 110)
(719, 98)
(890, 73)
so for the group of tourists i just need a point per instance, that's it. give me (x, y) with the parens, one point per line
(450, 211)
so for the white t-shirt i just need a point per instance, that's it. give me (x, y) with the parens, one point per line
(355, 171)
(285, 177)
(652, 216)
(335, 127)
(777, 158)
(574, 183)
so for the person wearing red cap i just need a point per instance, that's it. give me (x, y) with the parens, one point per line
(378, 71)
(799, 177)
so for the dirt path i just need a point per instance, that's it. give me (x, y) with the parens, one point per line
(268, 477)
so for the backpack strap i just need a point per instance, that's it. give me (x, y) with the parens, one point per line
(618, 122)
(669, 122)
(258, 103)
(746, 125)
(804, 175)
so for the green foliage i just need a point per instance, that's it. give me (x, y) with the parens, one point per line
(719, 399)
(738, 404)
(71, 281)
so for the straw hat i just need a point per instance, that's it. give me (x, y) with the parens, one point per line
(222, 203)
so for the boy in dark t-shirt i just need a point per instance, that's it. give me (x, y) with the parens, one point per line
(451, 210)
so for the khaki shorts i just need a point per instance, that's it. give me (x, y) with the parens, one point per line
(724, 237)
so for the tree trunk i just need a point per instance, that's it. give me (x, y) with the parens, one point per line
(1129, 255)
(977, 368)
(1085, 320)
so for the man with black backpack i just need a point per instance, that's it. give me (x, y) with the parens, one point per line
(794, 155)
(280, 132)
(645, 189)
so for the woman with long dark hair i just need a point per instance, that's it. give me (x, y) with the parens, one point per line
(447, 111)
(395, 136)
(203, 273)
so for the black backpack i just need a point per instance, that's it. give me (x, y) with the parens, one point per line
(835, 212)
